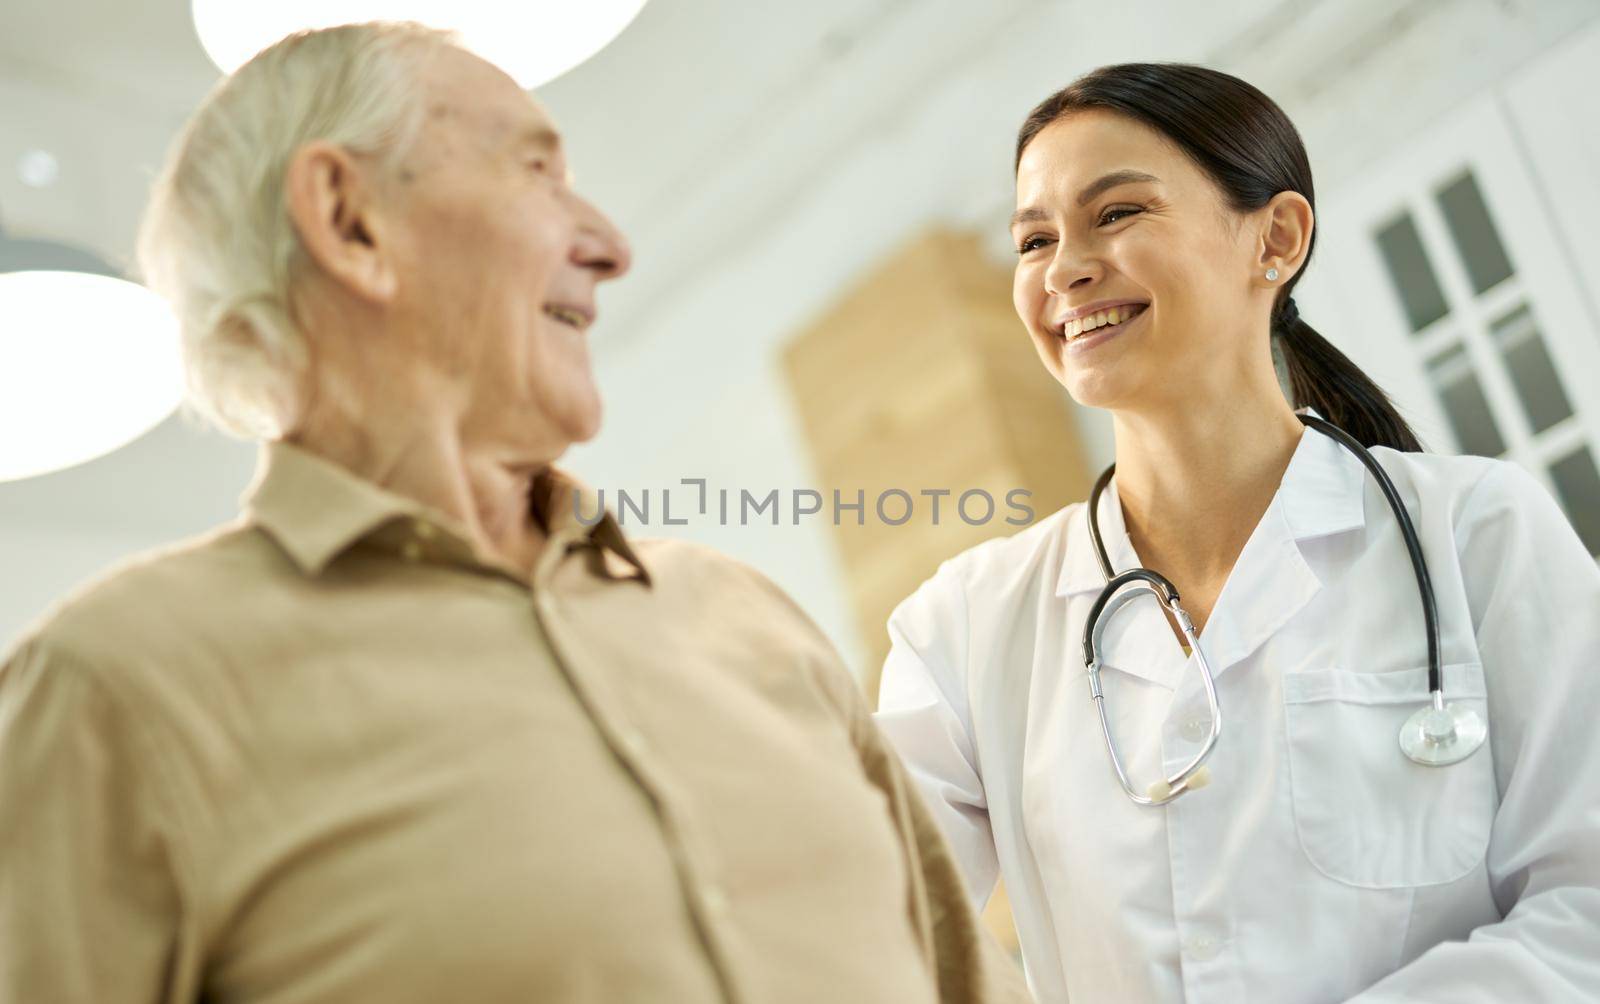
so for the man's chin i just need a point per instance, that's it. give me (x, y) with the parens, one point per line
(568, 408)
(582, 423)
(588, 431)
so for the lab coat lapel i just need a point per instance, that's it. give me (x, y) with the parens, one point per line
(1321, 494)
(1269, 584)
(1136, 639)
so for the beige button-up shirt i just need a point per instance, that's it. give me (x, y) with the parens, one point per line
(324, 754)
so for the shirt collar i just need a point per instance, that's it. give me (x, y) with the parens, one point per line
(316, 510)
(1322, 493)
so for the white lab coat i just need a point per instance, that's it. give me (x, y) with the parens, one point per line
(1320, 864)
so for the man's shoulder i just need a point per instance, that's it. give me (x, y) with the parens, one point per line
(676, 563)
(165, 594)
(712, 591)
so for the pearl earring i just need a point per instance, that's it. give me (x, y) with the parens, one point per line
(1272, 275)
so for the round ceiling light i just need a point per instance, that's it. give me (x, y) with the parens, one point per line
(88, 363)
(534, 41)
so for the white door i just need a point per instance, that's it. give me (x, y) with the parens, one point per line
(1455, 295)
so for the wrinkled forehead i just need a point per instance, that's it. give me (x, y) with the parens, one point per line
(471, 101)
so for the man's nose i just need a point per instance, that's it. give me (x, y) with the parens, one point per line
(600, 245)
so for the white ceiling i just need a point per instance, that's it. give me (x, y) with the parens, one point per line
(690, 129)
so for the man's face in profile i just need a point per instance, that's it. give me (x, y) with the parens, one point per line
(496, 255)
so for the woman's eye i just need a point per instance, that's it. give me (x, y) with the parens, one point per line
(1109, 216)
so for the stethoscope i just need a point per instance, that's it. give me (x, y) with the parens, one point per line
(1436, 735)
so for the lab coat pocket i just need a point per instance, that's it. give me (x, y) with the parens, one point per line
(1366, 815)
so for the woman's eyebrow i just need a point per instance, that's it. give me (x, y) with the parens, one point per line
(1126, 176)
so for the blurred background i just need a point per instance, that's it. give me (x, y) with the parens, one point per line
(817, 195)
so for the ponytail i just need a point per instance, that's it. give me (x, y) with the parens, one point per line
(1324, 378)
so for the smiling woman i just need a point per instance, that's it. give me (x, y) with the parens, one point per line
(1212, 177)
(1324, 847)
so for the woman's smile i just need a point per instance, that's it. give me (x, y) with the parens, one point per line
(1079, 344)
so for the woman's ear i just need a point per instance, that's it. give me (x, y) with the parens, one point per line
(1287, 224)
(331, 205)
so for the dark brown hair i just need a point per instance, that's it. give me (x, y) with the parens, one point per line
(1248, 147)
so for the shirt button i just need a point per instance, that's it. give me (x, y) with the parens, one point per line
(411, 551)
(716, 901)
(632, 742)
(1195, 729)
(423, 529)
(1202, 947)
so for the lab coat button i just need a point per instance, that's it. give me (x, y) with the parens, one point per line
(411, 551)
(1202, 947)
(1195, 729)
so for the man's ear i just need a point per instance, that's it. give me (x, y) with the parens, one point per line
(1286, 233)
(330, 203)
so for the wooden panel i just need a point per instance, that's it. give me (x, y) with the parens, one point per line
(922, 377)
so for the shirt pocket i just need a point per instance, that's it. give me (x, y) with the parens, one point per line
(1365, 814)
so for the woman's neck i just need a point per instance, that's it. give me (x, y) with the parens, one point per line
(1194, 480)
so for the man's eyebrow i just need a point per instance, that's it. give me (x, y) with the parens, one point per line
(542, 137)
(1126, 176)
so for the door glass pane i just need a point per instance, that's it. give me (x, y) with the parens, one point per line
(1411, 273)
(1578, 487)
(1532, 371)
(1456, 383)
(1476, 237)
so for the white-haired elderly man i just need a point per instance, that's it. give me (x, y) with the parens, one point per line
(409, 730)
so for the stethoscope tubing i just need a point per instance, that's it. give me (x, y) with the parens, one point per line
(1436, 735)
(1419, 565)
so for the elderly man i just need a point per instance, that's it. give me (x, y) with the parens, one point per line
(410, 730)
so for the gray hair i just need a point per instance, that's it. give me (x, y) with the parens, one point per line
(216, 239)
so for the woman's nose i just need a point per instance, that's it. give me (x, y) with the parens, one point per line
(1065, 271)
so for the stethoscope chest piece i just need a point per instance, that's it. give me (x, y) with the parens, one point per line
(1439, 735)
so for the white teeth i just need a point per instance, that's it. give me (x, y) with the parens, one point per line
(565, 316)
(1104, 318)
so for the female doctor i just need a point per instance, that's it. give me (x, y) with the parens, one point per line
(1377, 778)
